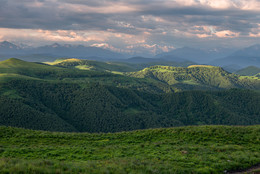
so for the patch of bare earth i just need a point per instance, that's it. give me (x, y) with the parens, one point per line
(253, 170)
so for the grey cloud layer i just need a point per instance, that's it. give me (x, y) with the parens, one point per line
(51, 15)
(165, 21)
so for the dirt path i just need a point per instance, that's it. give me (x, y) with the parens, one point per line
(253, 170)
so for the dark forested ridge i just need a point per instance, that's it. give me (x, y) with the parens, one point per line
(45, 97)
(98, 108)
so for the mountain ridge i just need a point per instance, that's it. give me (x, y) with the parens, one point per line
(47, 97)
(196, 75)
(249, 71)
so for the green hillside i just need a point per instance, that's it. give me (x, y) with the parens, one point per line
(93, 107)
(197, 77)
(114, 67)
(152, 79)
(12, 69)
(65, 98)
(45, 97)
(203, 149)
(38, 70)
(93, 65)
(249, 71)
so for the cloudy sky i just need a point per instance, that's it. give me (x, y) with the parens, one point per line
(132, 25)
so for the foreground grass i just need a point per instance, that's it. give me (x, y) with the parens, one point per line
(203, 149)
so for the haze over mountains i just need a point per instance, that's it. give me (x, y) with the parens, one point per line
(55, 50)
(197, 55)
(232, 59)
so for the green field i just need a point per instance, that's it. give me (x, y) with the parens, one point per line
(203, 149)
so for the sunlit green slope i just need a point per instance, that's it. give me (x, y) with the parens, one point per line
(200, 149)
(12, 69)
(38, 70)
(114, 67)
(197, 76)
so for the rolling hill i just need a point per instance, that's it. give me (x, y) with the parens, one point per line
(93, 107)
(197, 77)
(180, 78)
(39, 70)
(15, 68)
(248, 71)
(93, 65)
(124, 65)
(47, 97)
(199, 149)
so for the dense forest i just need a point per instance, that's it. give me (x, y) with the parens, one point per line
(46, 97)
(98, 108)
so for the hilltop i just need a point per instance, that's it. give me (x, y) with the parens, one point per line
(249, 71)
(93, 65)
(39, 70)
(200, 149)
(197, 77)
(155, 78)
(15, 68)
(118, 66)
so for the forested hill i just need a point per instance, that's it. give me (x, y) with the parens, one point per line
(45, 97)
(97, 108)
(126, 65)
(43, 71)
(152, 79)
(197, 76)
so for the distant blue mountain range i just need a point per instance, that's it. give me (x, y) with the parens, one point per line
(223, 57)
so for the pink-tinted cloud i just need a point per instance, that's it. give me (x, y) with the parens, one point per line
(255, 32)
(226, 34)
(116, 7)
(219, 4)
(123, 25)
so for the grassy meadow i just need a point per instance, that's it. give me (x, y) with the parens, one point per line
(197, 149)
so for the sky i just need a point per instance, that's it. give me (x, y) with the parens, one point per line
(132, 26)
